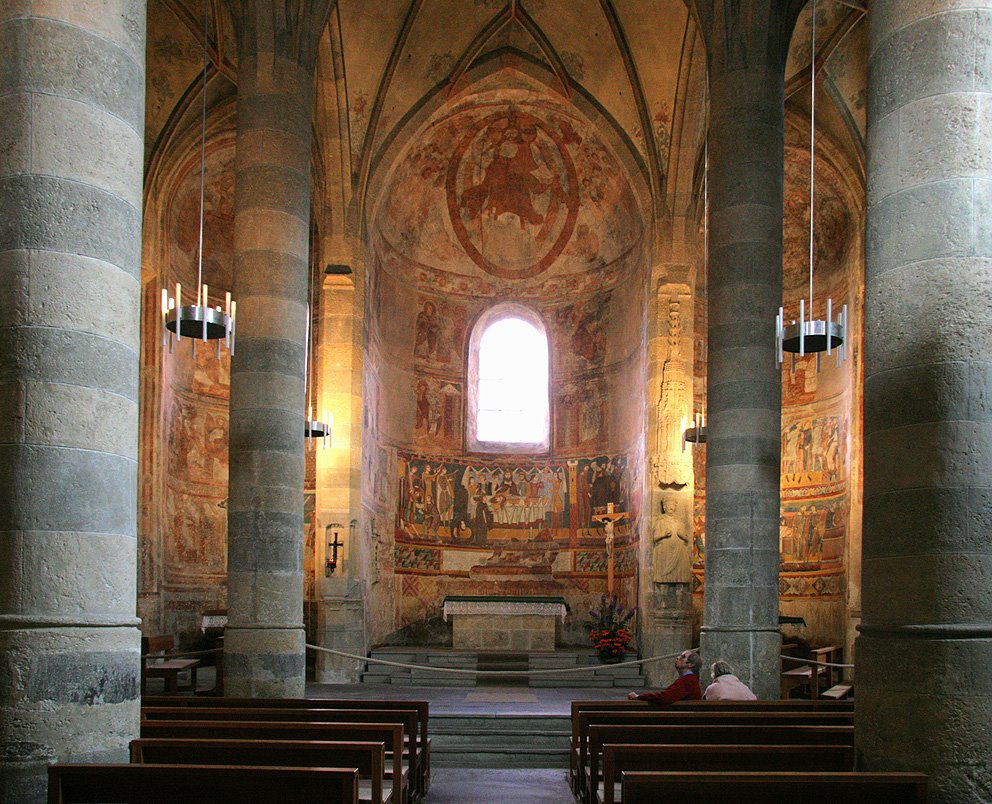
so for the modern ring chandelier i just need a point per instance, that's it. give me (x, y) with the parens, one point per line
(811, 335)
(199, 321)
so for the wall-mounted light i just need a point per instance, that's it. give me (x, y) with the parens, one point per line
(331, 556)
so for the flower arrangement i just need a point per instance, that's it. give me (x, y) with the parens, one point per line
(609, 630)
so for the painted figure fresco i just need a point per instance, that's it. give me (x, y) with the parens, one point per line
(463, 502)
(513, 192)
(437, 412)
(812, 450)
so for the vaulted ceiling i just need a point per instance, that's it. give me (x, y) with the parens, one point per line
(640, 63)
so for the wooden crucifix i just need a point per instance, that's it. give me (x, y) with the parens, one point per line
(609, 518)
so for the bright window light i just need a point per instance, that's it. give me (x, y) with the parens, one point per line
(513, 383)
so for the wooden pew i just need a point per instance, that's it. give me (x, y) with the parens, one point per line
(813, 677)
(711, 734)
(775, 788)
(369, 758)
(199, 784)
(752, 717)
(155, 664)
(389, 734)
(702, 706)
(618, 758)
(422, 708)
(408, 718)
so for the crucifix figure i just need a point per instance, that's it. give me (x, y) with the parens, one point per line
(609, 518)
(331, 557)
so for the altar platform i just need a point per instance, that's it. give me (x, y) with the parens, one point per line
(584, 669)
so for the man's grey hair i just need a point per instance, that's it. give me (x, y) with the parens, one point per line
(695, 663)
(721, 668)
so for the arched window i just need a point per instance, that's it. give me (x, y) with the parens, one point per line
(509, 382)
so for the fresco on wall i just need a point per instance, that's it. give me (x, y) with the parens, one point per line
(582, 326)
(438, 418)
(811, 451)
(486, 503)
(439, 333)
(512, 527)
(522, 189)
(513, 192)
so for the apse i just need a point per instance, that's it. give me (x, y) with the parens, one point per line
(506, 202)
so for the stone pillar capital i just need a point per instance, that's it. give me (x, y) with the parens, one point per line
(279, 30)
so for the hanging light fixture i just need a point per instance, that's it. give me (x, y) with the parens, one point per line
(314, 429)
(696, 434)
(199, 321)
(811, 336)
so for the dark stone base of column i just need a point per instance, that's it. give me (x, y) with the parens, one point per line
(924, 705)
(264, 662)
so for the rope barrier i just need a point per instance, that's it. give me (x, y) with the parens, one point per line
(182, 654)
(435, 668)
(459, 671)
(818, 664)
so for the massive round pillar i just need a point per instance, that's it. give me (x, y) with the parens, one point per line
(924, 686)
(747, 44)
(264, 642)
(72, 101)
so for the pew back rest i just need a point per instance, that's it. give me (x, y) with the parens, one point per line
(389, 734)
(420, 735)
(775, 788)
(198, 784)
(368, 757)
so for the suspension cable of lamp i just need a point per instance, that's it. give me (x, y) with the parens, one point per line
(313, 428)
(199, 321)
(696, 433)
(811, 336)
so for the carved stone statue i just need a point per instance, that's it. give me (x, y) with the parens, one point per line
(671, 556)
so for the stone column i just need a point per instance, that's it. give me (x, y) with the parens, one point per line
(923, 675)
(747, 43)
(72, 99)
(666, 602)
(264, 639)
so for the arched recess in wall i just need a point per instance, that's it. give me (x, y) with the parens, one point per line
(504, 191)
(531, 397)
(184, 400)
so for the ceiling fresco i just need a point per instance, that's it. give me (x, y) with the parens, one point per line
(628, 59)
(512, 184)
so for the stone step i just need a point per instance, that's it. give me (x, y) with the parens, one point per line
(507, 758)
(500, 741)
(482, 724)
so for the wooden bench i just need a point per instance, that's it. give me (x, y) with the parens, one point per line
(155, 664)
(199, 784)
(813, 677)
(389, 734)
(683, 734)
(775, 788)
(408, 718)
(369, 758)
(838, 692)
(669, 716)
(613, 705)
(421, 707)
(618, 758)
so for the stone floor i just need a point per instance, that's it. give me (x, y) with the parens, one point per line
(482, 700)
(486, 786)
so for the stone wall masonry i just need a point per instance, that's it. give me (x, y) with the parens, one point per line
(71, 139)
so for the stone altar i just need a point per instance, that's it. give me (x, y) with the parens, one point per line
(503, 623)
